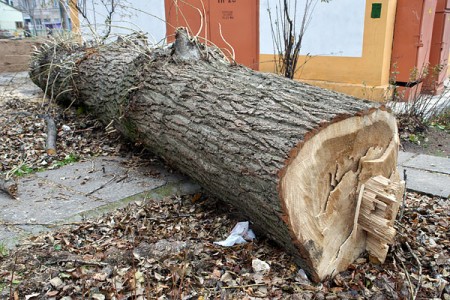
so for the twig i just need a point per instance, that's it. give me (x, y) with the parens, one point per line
(419, 281)
(78, 261)
(9, 186)
(169, 217)
(407, 275)
(405, 177)
(41, 224)
(51, 135)
(391, 290)
(243, 286)
(233, 55)
(102, 186)
(122, 179)
(12, 278)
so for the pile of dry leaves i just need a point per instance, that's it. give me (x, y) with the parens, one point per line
(23, 137)
(164, 250)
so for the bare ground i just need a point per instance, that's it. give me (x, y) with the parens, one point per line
(430, 139)
(15, 54)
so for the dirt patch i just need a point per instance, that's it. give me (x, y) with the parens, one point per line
(431, 137)
(433, 141)
(15, 54)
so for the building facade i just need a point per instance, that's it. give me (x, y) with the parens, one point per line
(40, 16)
(347, 45)
(11, 19)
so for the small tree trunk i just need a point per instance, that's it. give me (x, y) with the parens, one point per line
(9, 186)
(292, 157)
(50, 145)
(63, 14)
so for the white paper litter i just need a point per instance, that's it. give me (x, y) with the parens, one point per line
(240, 234)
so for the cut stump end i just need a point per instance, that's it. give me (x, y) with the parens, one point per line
(320, 186)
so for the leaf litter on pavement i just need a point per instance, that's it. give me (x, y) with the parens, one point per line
(163, 249)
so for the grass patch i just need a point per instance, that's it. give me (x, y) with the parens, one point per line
(4, 252)
(25, 169)
(441, 121)
(69, 159)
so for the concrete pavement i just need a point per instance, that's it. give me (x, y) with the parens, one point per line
(81, 190)
(426, 174)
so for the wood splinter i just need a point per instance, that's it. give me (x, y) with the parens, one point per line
(380, 202)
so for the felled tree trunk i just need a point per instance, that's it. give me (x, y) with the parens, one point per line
(290, 156)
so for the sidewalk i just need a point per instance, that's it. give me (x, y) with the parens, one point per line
(81, 190)
(425, 174)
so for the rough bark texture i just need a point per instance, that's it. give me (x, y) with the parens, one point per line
(9, 186)
(234, 130)
(50, 145)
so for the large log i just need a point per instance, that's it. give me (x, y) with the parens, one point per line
(292, 157)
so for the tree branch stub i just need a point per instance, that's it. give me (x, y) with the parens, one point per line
(184, 47)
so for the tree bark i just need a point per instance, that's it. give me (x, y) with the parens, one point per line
(9, 186)
(290, 156)
(50, 145)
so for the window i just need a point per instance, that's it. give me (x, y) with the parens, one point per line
(19, 25)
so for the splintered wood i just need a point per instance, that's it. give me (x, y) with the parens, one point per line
(380, 201)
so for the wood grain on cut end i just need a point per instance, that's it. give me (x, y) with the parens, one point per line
(319, 187)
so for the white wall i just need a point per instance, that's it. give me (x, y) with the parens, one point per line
(336, 28)
(9, 16)
(131, 15)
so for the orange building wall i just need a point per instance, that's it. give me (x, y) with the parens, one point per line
(365, 77)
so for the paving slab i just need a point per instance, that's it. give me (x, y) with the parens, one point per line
(431, 183)
(403, 157)
(107, 179)
(429, 163)
(18, 86)
(9, 236)
(84, 189)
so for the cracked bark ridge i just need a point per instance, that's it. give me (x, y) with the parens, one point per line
(290, 156)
